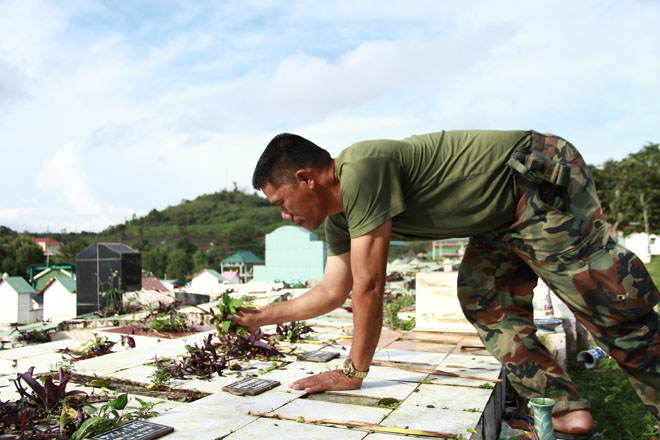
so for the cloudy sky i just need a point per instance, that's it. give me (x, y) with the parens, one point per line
(113, 108)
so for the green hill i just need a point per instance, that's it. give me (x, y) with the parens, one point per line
(225, 219)
(194, 234)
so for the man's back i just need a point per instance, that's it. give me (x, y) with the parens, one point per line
(438, 185)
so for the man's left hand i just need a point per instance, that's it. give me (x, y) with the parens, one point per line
(334, 380)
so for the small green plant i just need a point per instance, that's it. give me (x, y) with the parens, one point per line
(67, 365)
(427, 381)
(98, 346)
(228, 306)
(473, 410)
(393, 305)
(274, 366)
(486, 386)
(165, 318)
(293, 331)
(113, 413)
(389, 403)
(159, 378)
(33, 336)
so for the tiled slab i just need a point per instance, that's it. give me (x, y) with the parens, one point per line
(382, 388)
(106, 364)
(471, 361)
(37, 349)
(43, 363)
(266, 402)
(420, 346)
(418, 357)
(448, 397)
(316, 409)
(486, 373)
(202, 423)
(139, 374)
(397, 374)
(273, 429)
(433, 419)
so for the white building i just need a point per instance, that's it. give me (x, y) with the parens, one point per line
(207, 282)
(19, 302)
(640, 244)
(59, 298)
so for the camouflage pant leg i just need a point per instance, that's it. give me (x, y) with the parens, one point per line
(561, 233)
(495, 288)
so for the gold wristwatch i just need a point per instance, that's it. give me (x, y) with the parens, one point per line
(350, 371)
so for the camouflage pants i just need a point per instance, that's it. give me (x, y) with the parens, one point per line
(560, 235)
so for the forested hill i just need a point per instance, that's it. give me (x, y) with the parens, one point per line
(208, 214)
(226, 218)
(176, 241)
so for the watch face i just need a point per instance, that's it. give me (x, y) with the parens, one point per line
(347, 367)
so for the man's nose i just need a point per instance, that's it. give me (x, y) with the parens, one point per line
(285, 214)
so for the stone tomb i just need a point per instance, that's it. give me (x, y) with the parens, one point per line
(437, 305)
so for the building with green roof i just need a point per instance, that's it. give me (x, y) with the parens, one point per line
(243, 261)
(19, 301)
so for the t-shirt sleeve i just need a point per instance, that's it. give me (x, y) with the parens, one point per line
(371, 193)
(336, 234)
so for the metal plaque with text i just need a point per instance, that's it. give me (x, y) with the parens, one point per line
(250, 386)
(135, 430)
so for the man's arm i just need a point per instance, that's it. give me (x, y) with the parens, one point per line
(368, 264)
(322, 298)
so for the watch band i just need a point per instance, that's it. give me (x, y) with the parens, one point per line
(350, 371)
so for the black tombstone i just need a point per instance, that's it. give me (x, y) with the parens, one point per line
(103, 268)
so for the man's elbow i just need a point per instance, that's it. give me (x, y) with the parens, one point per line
(369, 286)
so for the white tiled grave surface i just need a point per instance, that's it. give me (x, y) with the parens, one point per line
(433, 402)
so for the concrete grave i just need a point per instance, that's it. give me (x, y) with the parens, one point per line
(437, 304)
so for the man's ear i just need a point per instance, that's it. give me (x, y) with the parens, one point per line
(305, 176)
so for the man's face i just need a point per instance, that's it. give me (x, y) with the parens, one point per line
(298, 203)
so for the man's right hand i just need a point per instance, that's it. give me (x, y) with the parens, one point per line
(248, 318)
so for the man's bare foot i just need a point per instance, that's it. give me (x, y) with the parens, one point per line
(573, 422)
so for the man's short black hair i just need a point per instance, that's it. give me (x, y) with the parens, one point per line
(284, 155)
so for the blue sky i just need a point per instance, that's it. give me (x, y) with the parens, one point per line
(113, 108)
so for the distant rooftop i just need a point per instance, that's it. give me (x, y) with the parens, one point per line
(245, 257)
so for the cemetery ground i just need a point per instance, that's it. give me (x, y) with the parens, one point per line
(421, 384)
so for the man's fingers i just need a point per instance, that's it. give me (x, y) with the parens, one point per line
(327, 381)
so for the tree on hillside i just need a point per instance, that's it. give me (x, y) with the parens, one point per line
(243, 236)
(155, 261)
(72, 247)
(203, 260)
(179, 264)
(17, 253)
(630, 189)
(641, 172)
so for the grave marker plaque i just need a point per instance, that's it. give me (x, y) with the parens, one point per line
(319, 356)
(136, 430)
(250, 386)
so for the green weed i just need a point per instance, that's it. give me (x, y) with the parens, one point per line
(616, 409)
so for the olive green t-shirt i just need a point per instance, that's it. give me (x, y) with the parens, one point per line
(433, 186)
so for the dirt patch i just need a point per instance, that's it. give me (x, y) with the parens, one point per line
(135, 330)
(123, 386)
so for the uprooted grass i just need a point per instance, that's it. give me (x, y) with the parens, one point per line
(616, 409)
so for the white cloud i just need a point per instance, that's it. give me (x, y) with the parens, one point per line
(121, 108)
